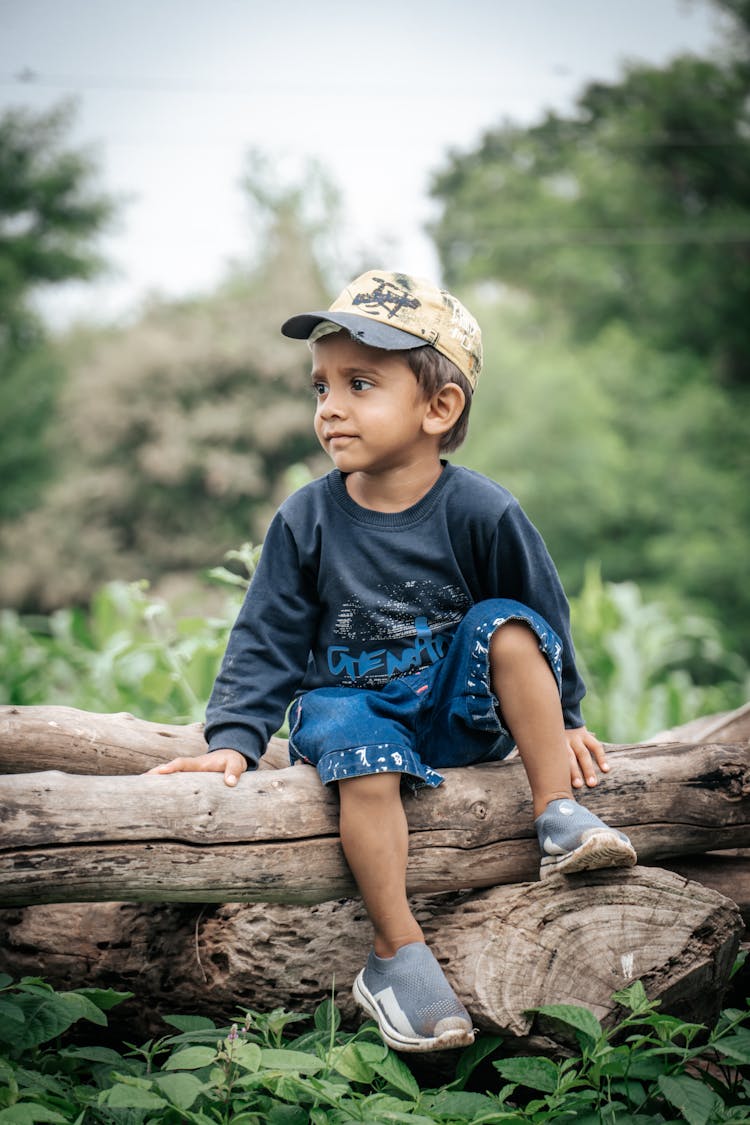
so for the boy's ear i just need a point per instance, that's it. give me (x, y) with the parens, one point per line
(444, 409)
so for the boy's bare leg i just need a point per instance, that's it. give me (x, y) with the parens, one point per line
(571, 837)
(523, 682)
(402, 986)
(375, 839)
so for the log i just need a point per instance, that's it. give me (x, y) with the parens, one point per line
(188, 837)
(505, 950)
(64, 738)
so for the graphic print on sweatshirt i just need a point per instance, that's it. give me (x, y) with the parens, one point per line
(398, 630)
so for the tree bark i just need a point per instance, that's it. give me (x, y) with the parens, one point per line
(64, 738)
(505, 950)
(188, 839)
(274, 838)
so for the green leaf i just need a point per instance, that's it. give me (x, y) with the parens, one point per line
(327, 1015)
(48, 1014)
(633, 998)
(181, 1089)
(93, 1054)
(472, 1056)
(27, 1113)
(300, 1062)
(247, 1055)
(121, 1096)
(735, 1046)
(349, 1061)
(192, 1058)
(529, 1070)
(397, 1073)
(190, 1023)
(10, 1012)
(284, 1115)
(574, 1016)
(696, 1102)
(460, 1104)
(5, 980)
(105, 998)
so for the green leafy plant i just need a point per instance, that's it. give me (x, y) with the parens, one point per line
(649, 665)
(279, 1068)
(127, 651)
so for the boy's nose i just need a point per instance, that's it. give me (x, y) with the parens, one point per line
(331, 406)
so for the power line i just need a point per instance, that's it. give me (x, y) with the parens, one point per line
(607, 236)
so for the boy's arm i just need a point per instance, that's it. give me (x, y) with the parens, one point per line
(264, 663)
(268, 649)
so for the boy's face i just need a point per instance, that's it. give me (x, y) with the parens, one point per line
(370, 407)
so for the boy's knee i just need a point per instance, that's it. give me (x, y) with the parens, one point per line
(370, 788)
(514, 641)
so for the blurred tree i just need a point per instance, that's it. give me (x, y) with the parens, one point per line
(49, 215)
(610, 463)
(634, 208)
(176, 433)
(626, 228)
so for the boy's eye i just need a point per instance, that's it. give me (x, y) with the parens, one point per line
(360, 384)
(319, 389)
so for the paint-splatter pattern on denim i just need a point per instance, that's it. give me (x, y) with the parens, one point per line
(443, 715)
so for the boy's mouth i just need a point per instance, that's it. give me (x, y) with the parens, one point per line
(339, 437)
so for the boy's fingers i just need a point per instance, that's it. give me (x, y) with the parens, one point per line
(575, 773)
(170, 767)
(585, 763)
(183, 765)
(601, 755)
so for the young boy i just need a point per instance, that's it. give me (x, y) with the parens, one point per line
(412, 612)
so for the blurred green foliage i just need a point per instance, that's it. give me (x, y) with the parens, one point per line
(49, 215)
(613, 464)
(611, 247)
(131, 651)
(174, 435)
(605, 253)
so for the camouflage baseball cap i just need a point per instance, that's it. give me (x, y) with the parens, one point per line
(394, 311)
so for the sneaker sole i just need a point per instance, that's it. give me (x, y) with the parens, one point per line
(452, 1037)
(601, 849)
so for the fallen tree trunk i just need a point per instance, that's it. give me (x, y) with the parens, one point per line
(505, 950)
(64, 738)
(274, 838)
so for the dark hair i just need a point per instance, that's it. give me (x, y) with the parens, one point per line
(433, 370)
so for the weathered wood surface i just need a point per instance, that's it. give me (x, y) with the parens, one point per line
(505, 950)
(64, 738)
(188, 837)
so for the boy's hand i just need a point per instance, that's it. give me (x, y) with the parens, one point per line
(585, 749)
(229, 762)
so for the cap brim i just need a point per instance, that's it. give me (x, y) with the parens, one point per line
(360, 328)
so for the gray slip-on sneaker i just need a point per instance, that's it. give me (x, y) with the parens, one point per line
(574, 839)
(414, 1006)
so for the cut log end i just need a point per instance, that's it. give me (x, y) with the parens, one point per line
(506, 950)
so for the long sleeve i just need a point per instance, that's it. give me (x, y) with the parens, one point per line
(525, 571)
(268, 650)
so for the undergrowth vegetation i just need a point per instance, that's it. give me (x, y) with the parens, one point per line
(279, 1068)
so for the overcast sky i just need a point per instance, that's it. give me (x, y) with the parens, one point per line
(173, 93)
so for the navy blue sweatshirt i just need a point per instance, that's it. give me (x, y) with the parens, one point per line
(345, 596)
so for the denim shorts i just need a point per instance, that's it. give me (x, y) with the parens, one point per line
(444, 715)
